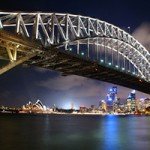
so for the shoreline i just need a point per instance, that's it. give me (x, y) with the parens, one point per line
(74, 114)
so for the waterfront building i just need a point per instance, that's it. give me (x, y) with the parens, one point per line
(83, 109)
(116, 105)
(37, 107)
(131, 101)
(147, 102)
(103, 106)
(128, 105)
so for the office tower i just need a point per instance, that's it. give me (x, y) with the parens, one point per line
(131, 101)
(111, 96)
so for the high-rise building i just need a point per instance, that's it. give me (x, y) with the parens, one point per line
(103, 106)
(111, 96)
(132, 95)
(131, 101)
(116, 105)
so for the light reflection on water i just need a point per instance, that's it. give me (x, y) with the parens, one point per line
(67, 132)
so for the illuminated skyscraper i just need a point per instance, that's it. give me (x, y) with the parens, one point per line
(132, 95)
(111, 96)
(116, 104)
(131, 101)
(103, 106)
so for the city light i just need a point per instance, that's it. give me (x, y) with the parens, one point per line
(110, 99)
(111, 105)
(101, 60)
(133, 91)
(109, 64)
(82, 53)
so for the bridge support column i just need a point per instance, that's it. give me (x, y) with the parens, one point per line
(12, 54)
(15, 63)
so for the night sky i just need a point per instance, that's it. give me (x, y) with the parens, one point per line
(22, 84)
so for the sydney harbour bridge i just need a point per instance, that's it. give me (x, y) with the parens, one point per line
(74, 44)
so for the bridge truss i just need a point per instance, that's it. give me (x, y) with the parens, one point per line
(85, 37)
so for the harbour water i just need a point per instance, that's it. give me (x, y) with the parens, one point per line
(74, 132)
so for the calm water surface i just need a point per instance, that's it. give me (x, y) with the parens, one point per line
(67, 132)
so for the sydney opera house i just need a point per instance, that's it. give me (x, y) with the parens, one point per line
(37, 107)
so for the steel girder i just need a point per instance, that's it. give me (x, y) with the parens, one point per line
(14, 50)
(63, 29)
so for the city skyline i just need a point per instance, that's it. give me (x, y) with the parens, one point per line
(111, 105)
(52, 88)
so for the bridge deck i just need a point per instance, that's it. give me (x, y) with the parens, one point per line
(70, 64)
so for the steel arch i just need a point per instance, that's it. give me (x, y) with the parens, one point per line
(62, 29)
